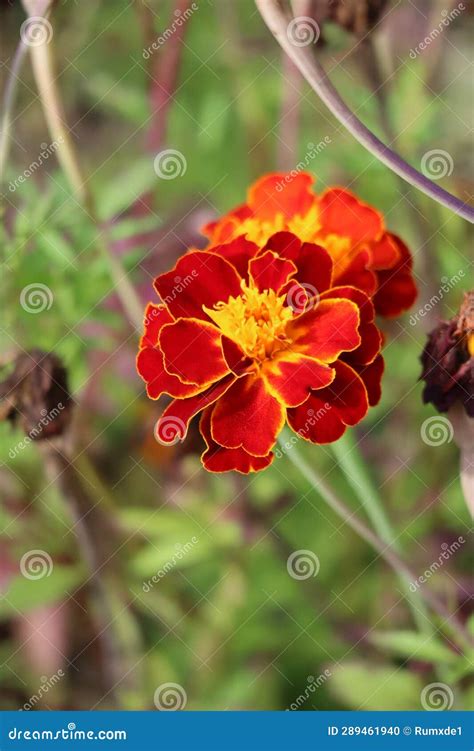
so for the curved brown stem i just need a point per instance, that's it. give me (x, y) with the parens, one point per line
(277, 21)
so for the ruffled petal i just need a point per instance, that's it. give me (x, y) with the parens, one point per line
(248, 417)
(324, 416)
(290, 377)
(268, 271)
(280, 193)
(150, 367)
(156, 316)
(357, 273)
(313, 262)
(174, 422)
(327, 331)
(199, 278)
(238, 252)
(341, 213)
(192, 350)
(372, 376)
(219, 459)
(396, 287)
(371, 338)
(384, 253)
(225, 228)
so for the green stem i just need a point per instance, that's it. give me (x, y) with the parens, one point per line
(43, 69)
(450, 620)
(350, 461)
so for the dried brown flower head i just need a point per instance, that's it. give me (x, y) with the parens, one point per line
(36, 396)
(448, 361)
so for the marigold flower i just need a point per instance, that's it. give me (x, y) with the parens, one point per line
(251, 336)
(365, 255)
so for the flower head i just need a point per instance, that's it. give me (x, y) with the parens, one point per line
(250, 336)
(448, 361)
(364, 254)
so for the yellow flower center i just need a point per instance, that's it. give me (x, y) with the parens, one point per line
(307, 228)
(254, 320)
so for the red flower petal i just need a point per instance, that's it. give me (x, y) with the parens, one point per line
(291, 376)
(397, 290)
(371, 338)
(219, 459)
(281, 194)
(341, 213)
(248, 417)
(384, 253)
(224, 229)
(270, 272)
(313, 262)
(192, 350)
(357, 274)
(158, 381)
(372, 375)
(238, 252)
(174, 422)
(324, 416)
(327, 331)
(199, 278)
(156, 316)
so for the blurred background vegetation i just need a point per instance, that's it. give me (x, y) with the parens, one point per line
(226, 622)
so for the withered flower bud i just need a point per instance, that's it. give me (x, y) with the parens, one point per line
(448, 361)
(36, 396)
